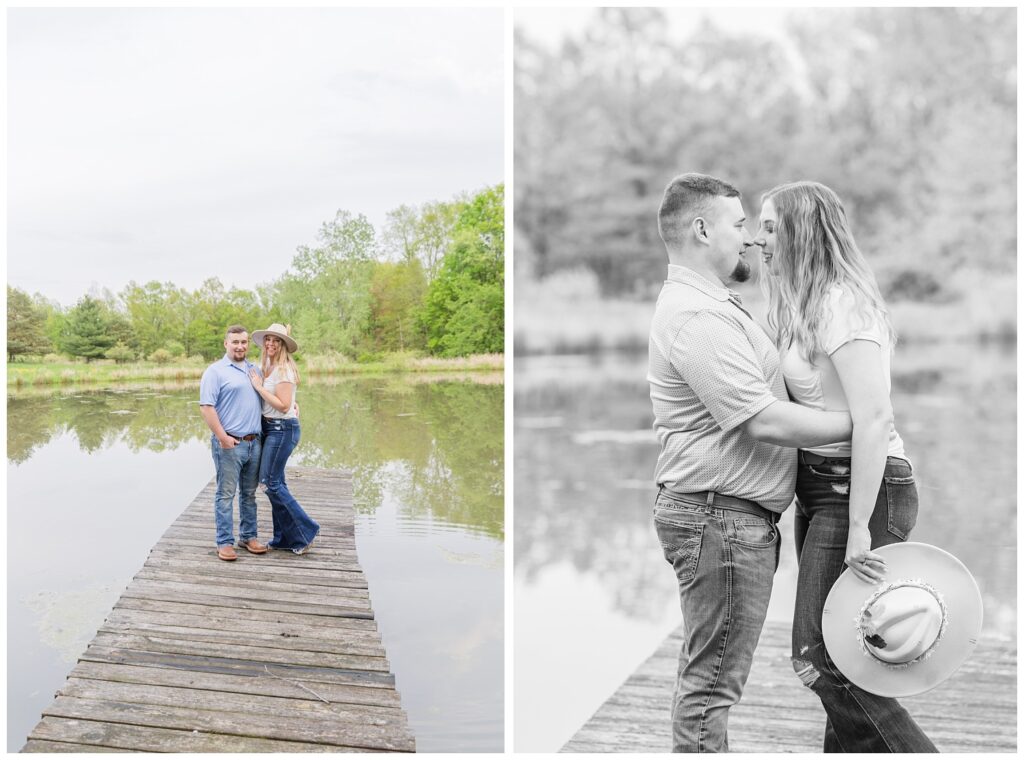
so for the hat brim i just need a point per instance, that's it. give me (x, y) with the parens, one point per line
(904, 561)
(259, 335)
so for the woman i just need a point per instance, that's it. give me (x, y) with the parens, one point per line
(293, 528)
(835, 340)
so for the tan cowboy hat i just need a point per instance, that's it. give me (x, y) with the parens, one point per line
(910, 632)
(281, 331)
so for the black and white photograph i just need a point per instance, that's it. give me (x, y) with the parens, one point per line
(765, 330)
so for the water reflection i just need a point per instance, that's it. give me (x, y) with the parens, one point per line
(448, 435)
(585, 545)
(585, 452)
(111, 469)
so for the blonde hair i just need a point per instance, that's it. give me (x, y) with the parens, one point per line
(283, 358)
(815, 252)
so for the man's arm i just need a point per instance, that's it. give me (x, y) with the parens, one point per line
(787, 424)
(213, 422)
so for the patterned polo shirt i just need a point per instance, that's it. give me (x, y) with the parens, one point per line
(711, 368)
(227, 388)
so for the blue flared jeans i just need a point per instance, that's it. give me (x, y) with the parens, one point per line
(237, 471)
(293, 528)
(725, 564)
(857, 721)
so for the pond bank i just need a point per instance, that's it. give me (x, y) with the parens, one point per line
(588, 325)
(106, 374)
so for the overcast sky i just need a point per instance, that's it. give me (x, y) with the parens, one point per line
(181, 144)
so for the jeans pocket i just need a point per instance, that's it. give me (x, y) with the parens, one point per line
(829, 471)
(680, 541)
(901, 504)
(755, 532)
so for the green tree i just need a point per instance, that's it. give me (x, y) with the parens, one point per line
(152, 313)
(326, 295)
(400, 239)
(87, 330)
(55, 319)
(26, 326)
(120, 353)
(212, 309)
(434, 230)
(464, 310)
(397, 291)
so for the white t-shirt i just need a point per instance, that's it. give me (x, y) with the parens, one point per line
(817, 386)
(279, 375)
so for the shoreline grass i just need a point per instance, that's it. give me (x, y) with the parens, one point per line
(594, 325)
(106, 373)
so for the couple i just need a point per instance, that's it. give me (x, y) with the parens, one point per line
(254, 419)
(745, 423)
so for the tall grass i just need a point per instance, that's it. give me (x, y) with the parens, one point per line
(106, 373)
(559, 316)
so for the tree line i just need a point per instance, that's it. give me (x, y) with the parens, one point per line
(431, 281)
(909, 114)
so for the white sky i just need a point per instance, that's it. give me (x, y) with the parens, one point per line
(180, 144)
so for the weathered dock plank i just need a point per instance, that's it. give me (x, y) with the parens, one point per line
(270, 653)
(974, 711)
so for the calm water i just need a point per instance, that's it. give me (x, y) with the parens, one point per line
(94, 479)
(593, 595)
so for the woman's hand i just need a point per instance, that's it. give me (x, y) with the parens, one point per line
(865, 564)
(256, 379)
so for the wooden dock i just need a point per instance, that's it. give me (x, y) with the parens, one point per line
(270, 653)
(975, 711)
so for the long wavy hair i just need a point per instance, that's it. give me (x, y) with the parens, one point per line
(814, 252)
(283, 358)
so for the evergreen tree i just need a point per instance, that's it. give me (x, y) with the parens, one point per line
(87, 330)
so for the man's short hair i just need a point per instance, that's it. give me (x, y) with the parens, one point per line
(235, 329)
(687, 197)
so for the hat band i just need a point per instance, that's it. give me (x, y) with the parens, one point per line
(865, 647)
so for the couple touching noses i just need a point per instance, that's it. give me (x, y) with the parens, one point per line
(746, 421)
(253, 415)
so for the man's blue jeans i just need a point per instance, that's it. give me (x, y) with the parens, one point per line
(237, 470)
(725, 563)
(857, 720)
(293, 528)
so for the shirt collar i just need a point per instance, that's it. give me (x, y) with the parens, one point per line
(226, 361)
(686, 276)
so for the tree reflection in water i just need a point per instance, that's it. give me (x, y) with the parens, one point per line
(585, 455)
(436, 443)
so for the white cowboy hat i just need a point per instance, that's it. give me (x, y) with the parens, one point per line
(911, 631)
(281, 331)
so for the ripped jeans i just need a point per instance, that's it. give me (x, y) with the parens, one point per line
(857, 721)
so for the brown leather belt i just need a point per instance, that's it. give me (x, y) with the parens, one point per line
(721, 501)
(250, 437)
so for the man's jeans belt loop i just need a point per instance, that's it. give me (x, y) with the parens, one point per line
(250, 437)
(720, 501)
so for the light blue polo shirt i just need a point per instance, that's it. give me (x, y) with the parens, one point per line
(228, 389)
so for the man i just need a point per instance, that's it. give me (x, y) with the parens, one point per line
(232, 410)
(722, 417)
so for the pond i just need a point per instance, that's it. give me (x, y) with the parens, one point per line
(95, 478)
(593, 594)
